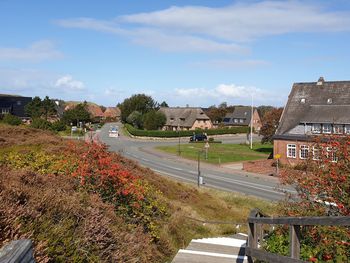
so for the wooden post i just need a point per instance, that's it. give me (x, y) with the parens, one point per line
(252, 241)
(295, 241)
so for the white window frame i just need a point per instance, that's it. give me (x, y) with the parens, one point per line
(313, 128)
(235, 120)
(291, 151)
(5, 111)
(336, 131)
(347, 129)
(241, 120)
(327, 131)
(331, 154)
(303, 152)
(316, 153)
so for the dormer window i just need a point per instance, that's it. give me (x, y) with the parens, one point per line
(329, 101)
(303, 101)
(316, 128)
(327, 128)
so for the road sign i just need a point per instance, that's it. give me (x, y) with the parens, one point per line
(277, 156)
(74, 128)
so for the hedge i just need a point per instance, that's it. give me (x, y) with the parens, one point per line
(169, 134)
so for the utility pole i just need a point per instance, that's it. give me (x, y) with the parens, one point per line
(251, 125)
(178, 130)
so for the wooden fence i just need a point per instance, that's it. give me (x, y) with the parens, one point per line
(255, 233)
(17, 251)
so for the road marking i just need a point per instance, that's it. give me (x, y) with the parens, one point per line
(243, 184)
(210, 254)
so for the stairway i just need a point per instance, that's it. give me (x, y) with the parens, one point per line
(214, 250)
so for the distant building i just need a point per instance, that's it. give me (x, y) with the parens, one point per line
(14, 105)
(185, 118)
(242, 116)
(112, 113)
(94, 110)
(313, 109)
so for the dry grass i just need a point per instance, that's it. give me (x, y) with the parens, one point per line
(66, 222)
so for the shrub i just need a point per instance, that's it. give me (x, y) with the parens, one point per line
(58, 126)
(169, 134)
(11, 120)
(40, 124)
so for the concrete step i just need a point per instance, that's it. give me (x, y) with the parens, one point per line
(213, 250)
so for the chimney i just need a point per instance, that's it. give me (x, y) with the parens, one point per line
(320, 81)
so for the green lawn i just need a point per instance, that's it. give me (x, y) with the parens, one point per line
(222, 153)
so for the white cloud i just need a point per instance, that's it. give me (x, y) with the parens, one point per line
(36, 52)
(229, 63)
(67, 82)
(224, 29)
(231, 93)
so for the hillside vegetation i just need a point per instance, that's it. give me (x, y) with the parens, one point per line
(80, 203)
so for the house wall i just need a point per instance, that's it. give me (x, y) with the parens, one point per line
(202, 124)
(280, 147)
(256, 121)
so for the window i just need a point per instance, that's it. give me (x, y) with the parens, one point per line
(316, 128)
(331, 154)
(329, 101)
(304, 152)
(5, 111)
(338, 129)
(241, 120)
(327, 128)
(291, 150)
(235, 120)
(19, 102)
(227, 119)
(347, 129)
(302, 101)
(315, 153)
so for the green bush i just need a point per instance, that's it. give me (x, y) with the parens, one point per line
(169, 134)
(40, 124)
(58, 126)
(11, 120)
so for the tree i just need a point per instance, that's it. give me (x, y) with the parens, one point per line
(264, 109)
(216, 114)
(48, 107)
(34, 108)
(38, 108)
(153, 120)
(270, 124)
(78, 114)
(164, 104)
(323, 189)
(139, 102)
(135, 119)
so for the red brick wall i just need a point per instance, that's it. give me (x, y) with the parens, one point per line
(260, 166)
(280, 147)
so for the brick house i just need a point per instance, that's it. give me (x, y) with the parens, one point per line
(313, 109)
(185, 118)
(242, 116)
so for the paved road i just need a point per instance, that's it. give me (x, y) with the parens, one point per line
(184, 170)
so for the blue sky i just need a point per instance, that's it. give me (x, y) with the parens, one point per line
(199, 53)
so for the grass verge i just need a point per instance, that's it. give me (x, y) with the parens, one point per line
(221, 153)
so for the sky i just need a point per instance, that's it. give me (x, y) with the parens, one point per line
(184, 52)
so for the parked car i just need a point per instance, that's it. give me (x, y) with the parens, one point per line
(198, 137)
(113, 132)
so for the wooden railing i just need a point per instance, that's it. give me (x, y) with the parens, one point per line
(255, 233)
(17, 251)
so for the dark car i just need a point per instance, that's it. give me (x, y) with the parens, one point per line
(198, 137)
